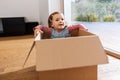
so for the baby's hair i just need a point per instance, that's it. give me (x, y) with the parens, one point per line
(51, 17)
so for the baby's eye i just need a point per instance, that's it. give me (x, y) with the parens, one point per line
(57, 19)
(62, 19)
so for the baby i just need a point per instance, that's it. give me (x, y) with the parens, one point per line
(57, 27)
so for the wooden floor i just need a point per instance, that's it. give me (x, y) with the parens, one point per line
(14, 50)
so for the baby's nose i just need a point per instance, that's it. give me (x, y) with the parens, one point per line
(61, 20)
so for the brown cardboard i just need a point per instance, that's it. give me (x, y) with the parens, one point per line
(82, 73)
(73, 58)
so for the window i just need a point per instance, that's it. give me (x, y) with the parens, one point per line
(93, 10)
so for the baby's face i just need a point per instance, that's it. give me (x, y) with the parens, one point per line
(58, 21)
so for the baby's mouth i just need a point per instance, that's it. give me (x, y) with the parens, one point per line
(61, 24)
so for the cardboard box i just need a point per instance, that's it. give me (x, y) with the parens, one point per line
(72, 58)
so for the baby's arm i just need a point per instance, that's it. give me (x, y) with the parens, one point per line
(77, 26)
(41, 29)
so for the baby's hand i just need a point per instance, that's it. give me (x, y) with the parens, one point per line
(37, 31)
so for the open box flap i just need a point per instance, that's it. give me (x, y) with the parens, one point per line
(62, 53)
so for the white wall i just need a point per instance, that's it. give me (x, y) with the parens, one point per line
(20, 8)
(44, 11)
(32, 10)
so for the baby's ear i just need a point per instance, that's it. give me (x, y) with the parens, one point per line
(52, 25)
